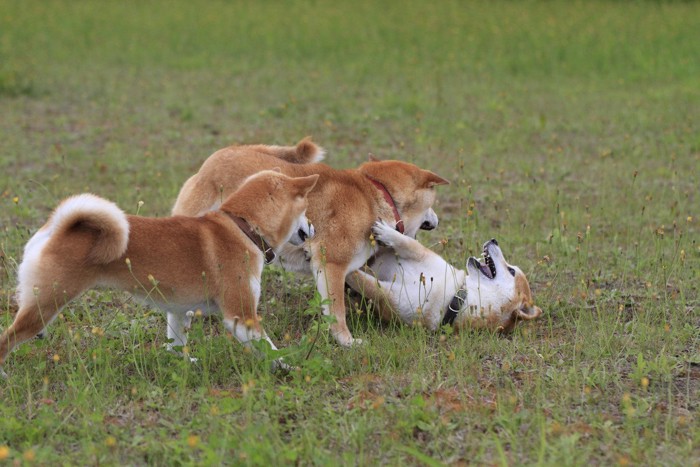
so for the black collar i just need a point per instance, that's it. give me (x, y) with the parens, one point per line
(453, 308)
(257, 239)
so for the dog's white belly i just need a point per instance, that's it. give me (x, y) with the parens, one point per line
(421, 291)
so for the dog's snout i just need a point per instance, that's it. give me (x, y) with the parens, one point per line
(303, 235)
(427, 225)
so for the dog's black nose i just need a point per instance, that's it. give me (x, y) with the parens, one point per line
(427, 226)
(493, 240)
(302, 235)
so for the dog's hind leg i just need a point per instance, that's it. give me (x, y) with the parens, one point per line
(373, 289)
(34, 315)
(177, 322)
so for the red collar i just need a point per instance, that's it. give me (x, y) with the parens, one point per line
(390, 201)
(259, 241)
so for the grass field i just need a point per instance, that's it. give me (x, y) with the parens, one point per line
(570, 131)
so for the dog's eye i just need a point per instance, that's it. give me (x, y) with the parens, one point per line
(511, 271)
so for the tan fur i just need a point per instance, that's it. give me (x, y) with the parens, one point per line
(177, 262)
(343, 207)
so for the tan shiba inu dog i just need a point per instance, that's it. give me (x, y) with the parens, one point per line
(212, 263)
(415, 284)
(343, 207)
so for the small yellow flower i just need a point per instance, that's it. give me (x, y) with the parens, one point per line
(56, 358)
(198, 313)
(689, 219)
(4, 453)
(110, 441)
(307, 378)
(249, 322)
(128, 262)
(15, 199)
(192, 441)
(29, 455)
(645, 382)
(451, 356)
(214, 410)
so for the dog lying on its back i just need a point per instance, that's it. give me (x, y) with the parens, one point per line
(213, 262)
(415, 284)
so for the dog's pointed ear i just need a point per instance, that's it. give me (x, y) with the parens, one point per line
(306, 184)
(528, 312)
(372, 158)
(432, 179)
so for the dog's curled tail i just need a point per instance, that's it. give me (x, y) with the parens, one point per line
(103, 219)
(305, 152)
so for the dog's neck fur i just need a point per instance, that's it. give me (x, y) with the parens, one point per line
(390, 201)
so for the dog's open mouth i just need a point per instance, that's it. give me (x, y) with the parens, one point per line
(485, 264)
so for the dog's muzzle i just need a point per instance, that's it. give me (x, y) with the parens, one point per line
(306, 233)
(430, 222)
(427, 225)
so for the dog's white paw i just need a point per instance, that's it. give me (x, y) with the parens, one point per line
(351, 342)
(384, 234)
(278, 366)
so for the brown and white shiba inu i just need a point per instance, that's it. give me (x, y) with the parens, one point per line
(415, 284)
(343, 207)
(212, 263)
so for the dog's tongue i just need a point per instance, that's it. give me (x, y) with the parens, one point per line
(486, 270)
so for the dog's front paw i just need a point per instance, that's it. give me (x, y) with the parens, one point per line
(278, 366)
(384, 234)
(348, 341)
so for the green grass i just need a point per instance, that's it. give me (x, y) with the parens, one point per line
(570, 132)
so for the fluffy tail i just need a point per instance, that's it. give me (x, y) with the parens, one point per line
(305, 152)
(102, 218)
